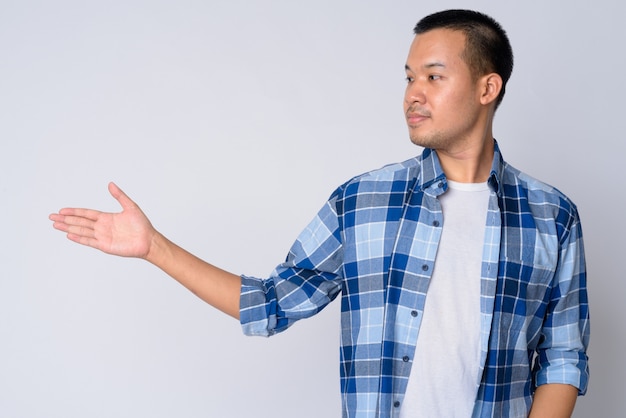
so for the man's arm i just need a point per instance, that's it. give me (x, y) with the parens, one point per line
(130, 234)
(564, 373)
(213, 285)
(553, 401)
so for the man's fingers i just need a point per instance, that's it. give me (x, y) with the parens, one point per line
(77, 225)
(81, 230)
(73, 220)
(88, 241)
(90, 214)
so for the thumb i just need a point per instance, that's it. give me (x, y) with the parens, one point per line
(121, 197)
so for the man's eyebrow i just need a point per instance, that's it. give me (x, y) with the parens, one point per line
(427, 66)
(435, 64)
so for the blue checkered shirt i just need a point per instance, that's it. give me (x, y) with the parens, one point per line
(375, 242)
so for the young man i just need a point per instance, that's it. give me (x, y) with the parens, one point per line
(462, 280)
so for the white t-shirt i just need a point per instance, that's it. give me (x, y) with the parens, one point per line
(444, 377)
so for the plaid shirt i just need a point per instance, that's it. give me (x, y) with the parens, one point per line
(375, 242)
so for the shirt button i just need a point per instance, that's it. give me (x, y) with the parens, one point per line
(413, 314)
(440, 185)
(425, 267)
(405, 359)
(435, 223)
(396, 404)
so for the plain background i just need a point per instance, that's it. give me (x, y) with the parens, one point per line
(230, 123)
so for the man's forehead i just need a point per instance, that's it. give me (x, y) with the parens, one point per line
(436, 47)
(440, 37)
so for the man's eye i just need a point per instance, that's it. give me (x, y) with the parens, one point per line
(434, 77)
(409, 79)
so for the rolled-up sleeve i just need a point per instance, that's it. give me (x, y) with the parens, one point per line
(308, 280)
(562, 354)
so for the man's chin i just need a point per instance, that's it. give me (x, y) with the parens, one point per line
(420, 141)
(434, 141)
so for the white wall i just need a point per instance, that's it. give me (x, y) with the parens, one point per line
(230, 123)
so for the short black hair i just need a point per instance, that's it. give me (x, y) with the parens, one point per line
(487, 46)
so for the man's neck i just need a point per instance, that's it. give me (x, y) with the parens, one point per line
(470, 163)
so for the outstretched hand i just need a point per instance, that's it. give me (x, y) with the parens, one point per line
(128, 233)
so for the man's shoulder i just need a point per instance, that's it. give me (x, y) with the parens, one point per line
(391, 178)
(516, 183)
(395, 171)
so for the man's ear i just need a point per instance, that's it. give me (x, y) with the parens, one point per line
(491, 85)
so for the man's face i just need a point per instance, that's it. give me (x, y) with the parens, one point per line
(442, 99)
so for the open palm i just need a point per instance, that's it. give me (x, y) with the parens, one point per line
(128, 233)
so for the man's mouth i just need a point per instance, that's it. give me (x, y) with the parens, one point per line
(413, 118)
(415, 115)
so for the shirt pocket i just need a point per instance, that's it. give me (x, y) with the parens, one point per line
(522, 296)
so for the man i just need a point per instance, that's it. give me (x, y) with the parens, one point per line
(462, 280)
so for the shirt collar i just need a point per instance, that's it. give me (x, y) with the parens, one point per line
(431, 175)
(497, 170)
